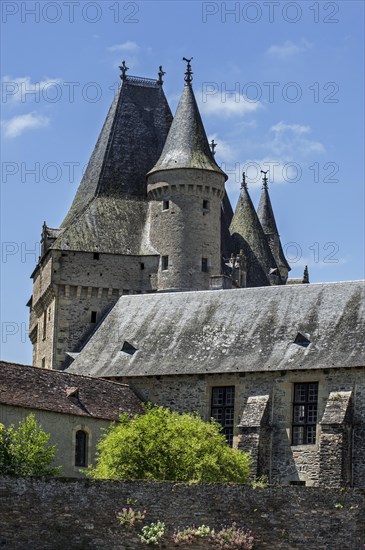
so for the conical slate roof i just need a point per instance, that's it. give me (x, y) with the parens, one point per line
(129, 144)
(267, 219)
(248, 235)
(187, 144)
(109, 211)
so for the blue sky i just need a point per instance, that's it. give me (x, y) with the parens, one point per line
(295, 71)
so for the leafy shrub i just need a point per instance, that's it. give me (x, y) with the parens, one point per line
(165, 445)
(25, 451)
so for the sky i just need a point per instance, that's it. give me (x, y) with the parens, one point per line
(280, 86)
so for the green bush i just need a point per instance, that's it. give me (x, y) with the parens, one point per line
(165, 445)
(25, 451)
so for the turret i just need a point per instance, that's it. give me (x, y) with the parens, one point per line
(185, 190)
(249, 241)
(267, 219)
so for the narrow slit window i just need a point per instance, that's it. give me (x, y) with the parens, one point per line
(205, 265)
(165, 205)
(96, 256)
(205, 204)
(142, 265)
(165, 263)
(81, 444)
(44, 324)
(93, 317)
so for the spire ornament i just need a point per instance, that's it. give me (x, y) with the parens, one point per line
(161, 73)
(264, 180)
(213, 145)
(124, 70)
(244, 184)
(188, 74)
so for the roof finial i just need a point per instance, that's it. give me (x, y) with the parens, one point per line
(213, 145)
(264, 179)
(306, 275)
(124, 69)
(160, 75)
(188, 74)
(244, 184)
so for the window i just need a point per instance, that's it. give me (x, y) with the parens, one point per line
(165, 263)
(96, 255)
(305, 413)
(81, 441)
(128, 348)
(205, 204)
(93, 317)
(223, 409)
(142, 265)
(165, 205)
(43, 363)
(44, 324)
(205, 265)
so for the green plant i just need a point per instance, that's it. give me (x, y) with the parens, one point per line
(189, 535)
(166, 445)
(153, 533)
(260, 482)
(129, 517)
(232, 538)
(25, 451)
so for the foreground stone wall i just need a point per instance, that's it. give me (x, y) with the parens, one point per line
(78, 514)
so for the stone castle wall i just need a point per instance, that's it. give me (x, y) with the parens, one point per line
(69, 287)
(40, 514)
(269, 438)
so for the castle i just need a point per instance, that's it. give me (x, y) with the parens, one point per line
(152, 280)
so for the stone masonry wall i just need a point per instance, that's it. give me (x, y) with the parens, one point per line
(72, 285)
(286, 463)
(40, 514)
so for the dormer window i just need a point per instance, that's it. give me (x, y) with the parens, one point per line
(301, 340)
(128, 348)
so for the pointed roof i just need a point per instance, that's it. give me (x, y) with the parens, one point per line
(129, 144)
(266, 216)
(187, 144)
(248, 235)
(109, 211)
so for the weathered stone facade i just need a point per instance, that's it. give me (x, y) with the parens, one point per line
(263, 421)
(40, 514)
(72, 293)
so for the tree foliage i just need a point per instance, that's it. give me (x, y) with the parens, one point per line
(165, 445)
(25, 451)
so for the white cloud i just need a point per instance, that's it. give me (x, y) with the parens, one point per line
(288, 49)
(23, 90)
(224, 150)
(129, 46)
(228, 106)
(289, 140)
(15, 126)
(296, 128)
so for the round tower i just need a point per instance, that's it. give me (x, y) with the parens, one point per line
(185, 189)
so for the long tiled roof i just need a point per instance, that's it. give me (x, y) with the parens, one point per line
(244, 330)
(62, 392)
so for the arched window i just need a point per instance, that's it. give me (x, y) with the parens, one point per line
(81, 448)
